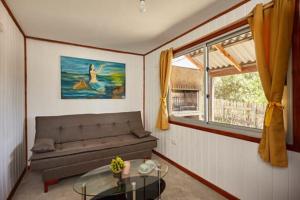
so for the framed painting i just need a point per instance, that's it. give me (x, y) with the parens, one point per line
(92, 79)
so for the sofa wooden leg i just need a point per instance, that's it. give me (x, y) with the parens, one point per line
(147, 157)
(49, 182)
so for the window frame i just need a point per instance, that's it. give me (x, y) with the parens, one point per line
(207, 123)
(239, 132)
(234, 128)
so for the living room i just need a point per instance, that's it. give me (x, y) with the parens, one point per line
(149, 99)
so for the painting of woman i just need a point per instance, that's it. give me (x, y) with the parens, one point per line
(92, 79)
(93, 82)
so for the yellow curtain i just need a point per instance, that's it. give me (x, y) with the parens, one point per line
(272, 32)
(165, 74)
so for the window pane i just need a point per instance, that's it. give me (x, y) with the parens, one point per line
(186, 96)
(237, 97)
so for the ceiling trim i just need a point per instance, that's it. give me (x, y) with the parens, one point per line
(61, 42)
(83, 45)
(120, 51)
(13, 17)
(201, 24)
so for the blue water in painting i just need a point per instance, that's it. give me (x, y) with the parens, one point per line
(110, 76)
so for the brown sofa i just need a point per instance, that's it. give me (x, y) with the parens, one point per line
(87, 141)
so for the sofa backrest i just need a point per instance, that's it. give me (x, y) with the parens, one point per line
(68, 128)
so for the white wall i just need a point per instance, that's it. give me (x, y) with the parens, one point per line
(44, 83)
(229, 163)
(12, 104)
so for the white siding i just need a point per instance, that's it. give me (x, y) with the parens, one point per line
(229, 163)
(12, 145)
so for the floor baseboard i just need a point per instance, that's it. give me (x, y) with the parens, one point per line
(198, 178)
(12, 192)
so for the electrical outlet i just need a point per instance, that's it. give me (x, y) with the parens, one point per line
(1, 27)
(173, 142)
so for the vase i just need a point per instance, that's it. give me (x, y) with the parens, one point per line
(126, 170)
(118, 176)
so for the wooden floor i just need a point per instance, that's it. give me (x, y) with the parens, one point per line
(179, 187)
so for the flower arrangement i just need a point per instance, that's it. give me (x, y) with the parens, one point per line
(117, 165)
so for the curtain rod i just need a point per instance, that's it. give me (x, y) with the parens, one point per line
(265, 6)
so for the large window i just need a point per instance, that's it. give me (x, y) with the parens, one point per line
(217, 83)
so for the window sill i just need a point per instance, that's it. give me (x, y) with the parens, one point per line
(290, 147)
(216, 131)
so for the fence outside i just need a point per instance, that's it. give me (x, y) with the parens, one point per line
(238, 113)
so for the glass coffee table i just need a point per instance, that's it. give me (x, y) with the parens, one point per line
(101, 184)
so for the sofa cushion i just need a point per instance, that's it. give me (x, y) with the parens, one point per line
(140, 133)
(43, 145)
(84, 157)
(70, 128)
(77, 147)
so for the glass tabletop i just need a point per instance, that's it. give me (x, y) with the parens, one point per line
(101, 181)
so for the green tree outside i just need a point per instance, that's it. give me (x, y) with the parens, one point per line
(241, 88)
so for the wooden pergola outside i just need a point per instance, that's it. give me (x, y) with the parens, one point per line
(226, 53)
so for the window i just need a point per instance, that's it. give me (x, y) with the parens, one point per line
(187, 94)
(236, 94)
(238, 99)
(217, 84)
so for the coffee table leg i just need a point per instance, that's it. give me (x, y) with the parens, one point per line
(83, 188)
(159, 177)
(133, 184)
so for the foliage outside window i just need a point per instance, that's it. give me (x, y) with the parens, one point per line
(238, 100)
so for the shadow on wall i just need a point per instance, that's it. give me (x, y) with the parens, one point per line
(16, 165)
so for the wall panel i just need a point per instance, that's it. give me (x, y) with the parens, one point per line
(12, 104)
(229, 163)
